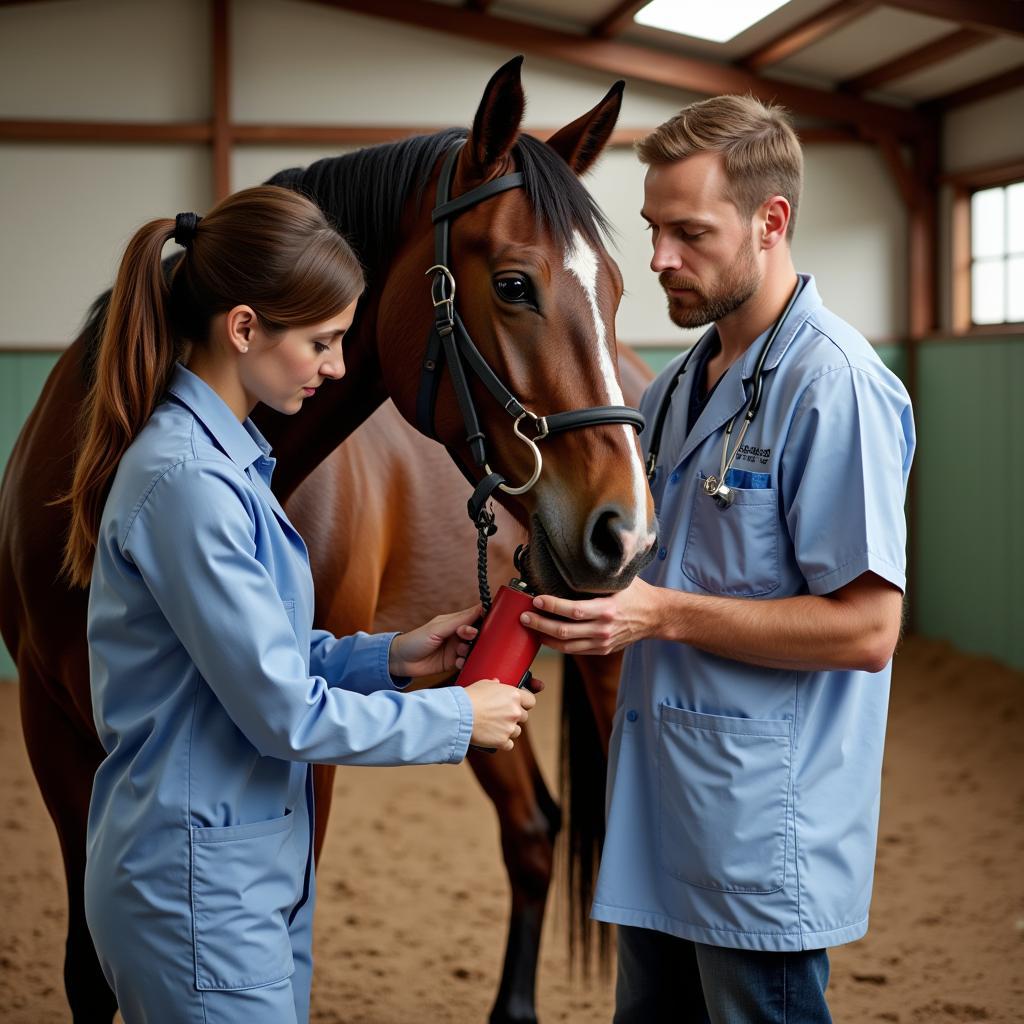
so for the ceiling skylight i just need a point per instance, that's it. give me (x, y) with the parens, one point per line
(718, 21)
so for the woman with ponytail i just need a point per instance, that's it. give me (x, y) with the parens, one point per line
(212, 693)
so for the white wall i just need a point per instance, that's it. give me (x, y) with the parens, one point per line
(70, 209)
(68, 212)
(106, 60)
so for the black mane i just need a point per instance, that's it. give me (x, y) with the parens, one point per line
(365, 192)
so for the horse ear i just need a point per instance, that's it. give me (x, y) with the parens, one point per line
(496, 125)
(581, 142)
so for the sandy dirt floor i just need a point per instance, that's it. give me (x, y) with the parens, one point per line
(410, 922)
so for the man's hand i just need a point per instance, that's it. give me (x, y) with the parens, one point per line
(601, 625)
(440, 645)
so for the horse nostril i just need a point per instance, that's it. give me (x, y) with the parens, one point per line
(603, 547)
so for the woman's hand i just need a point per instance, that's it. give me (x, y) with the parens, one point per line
(498, 713)
(440, 645)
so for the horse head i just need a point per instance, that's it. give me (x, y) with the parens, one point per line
(523, 278)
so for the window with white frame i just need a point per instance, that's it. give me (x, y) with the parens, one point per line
(997, 254)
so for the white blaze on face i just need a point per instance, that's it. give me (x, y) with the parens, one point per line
(581, 262)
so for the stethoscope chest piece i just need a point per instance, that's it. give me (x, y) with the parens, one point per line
(719, 491)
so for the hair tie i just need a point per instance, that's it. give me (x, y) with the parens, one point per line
(185, 225)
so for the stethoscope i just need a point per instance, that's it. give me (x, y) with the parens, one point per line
(715, 486)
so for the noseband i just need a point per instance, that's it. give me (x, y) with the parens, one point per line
(449, 340)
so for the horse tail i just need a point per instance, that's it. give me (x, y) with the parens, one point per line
(582, 792)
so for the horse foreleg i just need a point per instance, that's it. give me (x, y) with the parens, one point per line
(64, 760)
(529, 820)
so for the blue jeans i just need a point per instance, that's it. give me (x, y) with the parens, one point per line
(666, 980)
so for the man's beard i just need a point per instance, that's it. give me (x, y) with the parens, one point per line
(735, 286)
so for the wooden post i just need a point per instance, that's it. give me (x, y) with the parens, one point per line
(221, 120)
(923, 274)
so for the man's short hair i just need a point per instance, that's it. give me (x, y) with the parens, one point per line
(761, 153)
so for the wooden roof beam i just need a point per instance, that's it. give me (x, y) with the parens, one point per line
(639, 62)
(987, 15)
(105, 131)
(809, 31)
(1003, 82)
(938, 50)
(617, 19)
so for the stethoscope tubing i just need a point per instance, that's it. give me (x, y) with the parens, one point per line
(718, 490)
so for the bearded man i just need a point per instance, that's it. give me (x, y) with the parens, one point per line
(746, 753)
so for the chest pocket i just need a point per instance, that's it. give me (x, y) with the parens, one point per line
(734, 551)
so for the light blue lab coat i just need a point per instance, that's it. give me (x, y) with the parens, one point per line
(212, 693)
(743, 801)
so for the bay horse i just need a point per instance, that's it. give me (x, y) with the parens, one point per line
(536, 290)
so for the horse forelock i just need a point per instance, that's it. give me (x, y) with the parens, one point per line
(561, 201)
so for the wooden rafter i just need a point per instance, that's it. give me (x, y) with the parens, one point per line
(105, 131)
(985, 177)
(982, 90)
(809, 31)
(639, 62)
(299, 134)
(987, 15)
(924, 56)
(616, 19)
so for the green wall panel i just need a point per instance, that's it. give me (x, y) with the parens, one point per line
(969, 495)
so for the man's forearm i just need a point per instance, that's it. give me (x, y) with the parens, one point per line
(805, 633)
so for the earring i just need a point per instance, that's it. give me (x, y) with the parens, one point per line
(245, 348)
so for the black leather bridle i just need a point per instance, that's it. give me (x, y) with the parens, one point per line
(450, 341)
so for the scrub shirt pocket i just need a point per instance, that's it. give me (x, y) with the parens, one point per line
(723, 800)
(734, 551)
(243, 887)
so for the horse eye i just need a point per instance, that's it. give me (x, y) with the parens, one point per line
(514, 288)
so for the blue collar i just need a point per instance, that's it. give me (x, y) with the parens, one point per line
(806, 303)
(240, 441)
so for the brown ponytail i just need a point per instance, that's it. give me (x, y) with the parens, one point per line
(267, 247)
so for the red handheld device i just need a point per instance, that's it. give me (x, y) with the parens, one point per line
(504, 648)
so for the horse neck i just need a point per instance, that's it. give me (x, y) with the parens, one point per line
(363, 186)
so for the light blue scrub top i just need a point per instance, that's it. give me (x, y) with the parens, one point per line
(743, 801)
(211, 693)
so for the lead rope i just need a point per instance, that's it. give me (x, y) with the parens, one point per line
(485, 529)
